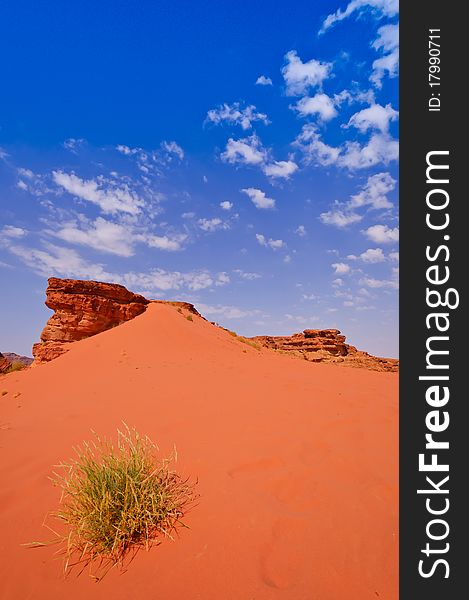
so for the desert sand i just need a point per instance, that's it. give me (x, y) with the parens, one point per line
(297, 465)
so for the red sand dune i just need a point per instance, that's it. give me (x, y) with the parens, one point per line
(297, 465)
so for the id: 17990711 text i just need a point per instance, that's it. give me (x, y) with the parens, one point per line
(434, 70)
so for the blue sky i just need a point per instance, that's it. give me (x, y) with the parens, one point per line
(240, 158)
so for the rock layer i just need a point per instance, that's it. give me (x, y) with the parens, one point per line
(4, 363)
(83, 309)
(325, 345)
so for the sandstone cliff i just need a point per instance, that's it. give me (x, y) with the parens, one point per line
(325, 345)
(83, 309)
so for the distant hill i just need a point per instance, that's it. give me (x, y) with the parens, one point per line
(12, 357)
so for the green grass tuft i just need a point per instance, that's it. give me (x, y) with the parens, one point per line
(244, 340)
(117, 499)
(249, 342)
(189, 318)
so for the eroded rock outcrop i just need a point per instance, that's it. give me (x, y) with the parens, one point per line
(187, 306)
(4, 363)
(83, 309)
(326, 345)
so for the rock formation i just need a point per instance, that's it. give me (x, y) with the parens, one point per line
(182, 305)
(4, 363)
(325, 345)
(83, 309)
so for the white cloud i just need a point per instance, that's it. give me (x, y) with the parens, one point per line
(375, 117)
(263, 80)
(261, 239)
(374, 193)
(212, 224)
(226, 205)
(146, 161)
(314, 149)
(373, 283)
(269, 243)
(386, 8)
(128, 151)
(65, 262)
(73, 144)
(101, 235)
(276, 244)
(188, 215)
(26, 173)
(10, 231)
(355, 94)
(159, 279)
(21, 185)
(302, 319)
(173, 148)
(300, 230)
(365, 292)
(280, 168)
(110, 197)
(113, 238)
(382, 234)
(387, 42)
(222, 279)
(300, 76)
(372, 255)
(339, 218)
(236, 115)
(341, 268)
(338, 282)
(394, 256)
(388, 38)
(153, 161)
(164, 242)
(123, 149)
(248, 151)
(246, 275)
(380, 149)
(259, 199)
(320, 104)
(228, 312)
